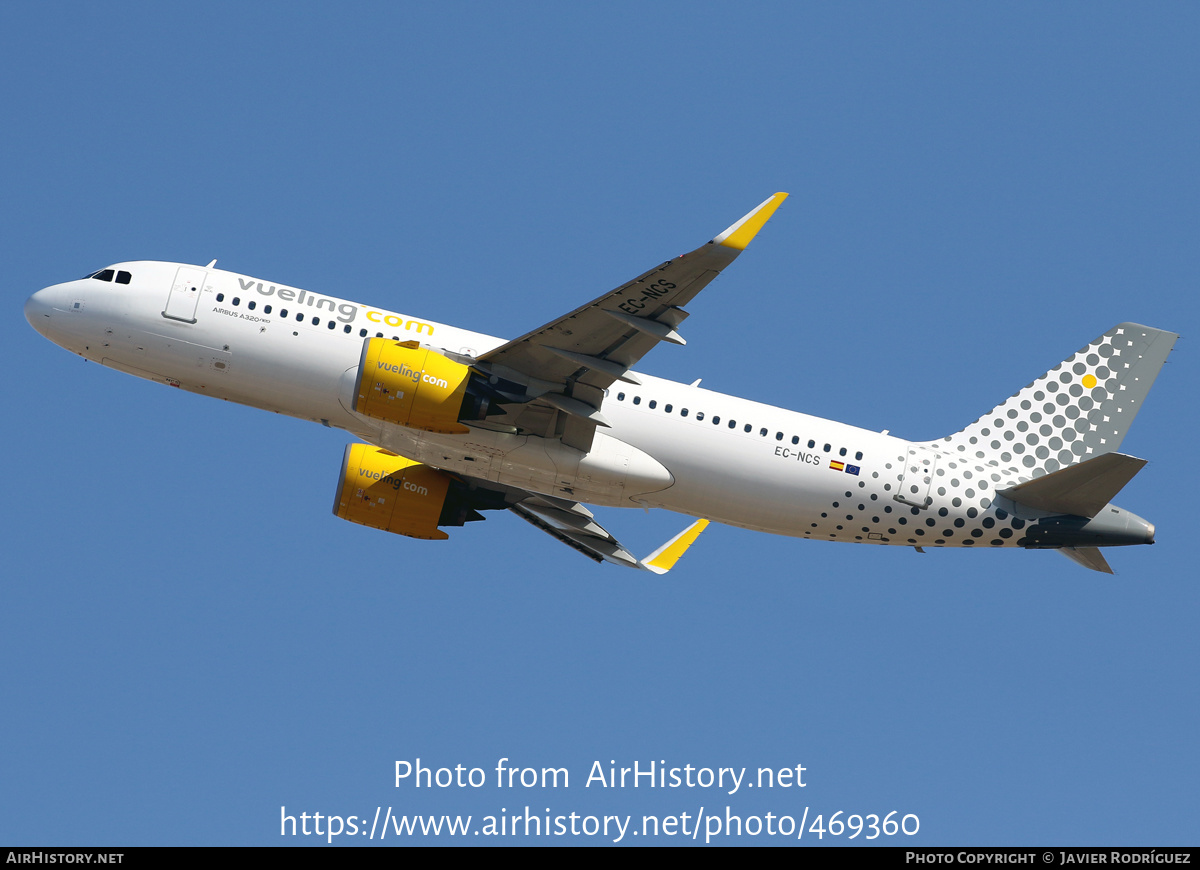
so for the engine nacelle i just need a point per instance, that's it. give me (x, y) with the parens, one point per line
(403, 383)
(385, 491)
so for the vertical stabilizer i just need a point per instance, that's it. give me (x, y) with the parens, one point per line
(1080, 409)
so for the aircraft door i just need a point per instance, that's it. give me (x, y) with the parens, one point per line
(185, 294)
(917, 480)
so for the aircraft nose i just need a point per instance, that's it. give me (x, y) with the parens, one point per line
(38, 308)
(1149, 533)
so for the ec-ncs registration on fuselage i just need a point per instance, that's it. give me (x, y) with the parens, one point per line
(454, 423)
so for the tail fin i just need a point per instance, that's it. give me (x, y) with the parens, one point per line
(1080, 409)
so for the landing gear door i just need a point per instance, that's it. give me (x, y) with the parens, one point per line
(185, 294)
(918, 477)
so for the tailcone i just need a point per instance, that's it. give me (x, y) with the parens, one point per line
(1111, 527)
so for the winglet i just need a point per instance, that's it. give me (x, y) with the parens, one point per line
(664, 558)
(740, 234)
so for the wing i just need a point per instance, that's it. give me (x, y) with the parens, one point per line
(565, 520)
(576, 526)
(561, 370)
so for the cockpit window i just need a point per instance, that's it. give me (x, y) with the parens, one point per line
(122, 276)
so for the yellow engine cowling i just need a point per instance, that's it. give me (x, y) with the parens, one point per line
(385, 491)
(403, 383)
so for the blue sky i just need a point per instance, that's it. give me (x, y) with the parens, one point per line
(191, 639)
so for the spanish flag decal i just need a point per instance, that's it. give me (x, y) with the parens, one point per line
(837, 466)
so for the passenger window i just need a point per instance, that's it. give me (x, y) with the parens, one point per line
(828, 448)
(283, 312)
(762, 433)
(699, 415)
(716, 421)
(266, 309)
(300, 317)
(362, 333)
(811, 444)
(668, 408)
(653, 404)
(683, 413)
(637, 400)
(748, 428)
(220, 297)
(123, 277)
(778, 436)
(331, 324)
(858, 455)
(795, 439)
(250, 304)
(733, 424)
(237, 301)
(347, 329)
(842, 452)
(620, 397)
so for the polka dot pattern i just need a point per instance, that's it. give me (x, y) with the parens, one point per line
(944, 493)
(1079, 409)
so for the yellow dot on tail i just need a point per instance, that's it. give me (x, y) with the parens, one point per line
(1089, 381)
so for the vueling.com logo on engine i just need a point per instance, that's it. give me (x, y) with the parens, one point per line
(415, 376)
(394, 482)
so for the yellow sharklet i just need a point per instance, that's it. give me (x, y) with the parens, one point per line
(664, 558)
(740, 234)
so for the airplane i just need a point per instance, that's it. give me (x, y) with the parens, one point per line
(452, 423)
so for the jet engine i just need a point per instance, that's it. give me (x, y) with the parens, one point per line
(386, 491)
(401, 382)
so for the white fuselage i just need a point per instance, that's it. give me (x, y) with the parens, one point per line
(670, 445)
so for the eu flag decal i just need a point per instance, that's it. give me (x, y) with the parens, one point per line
(852, 469)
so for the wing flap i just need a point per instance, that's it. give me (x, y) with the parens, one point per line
(593, 541)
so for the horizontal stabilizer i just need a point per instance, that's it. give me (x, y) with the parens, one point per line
(1088, 557)
(1080, 490)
